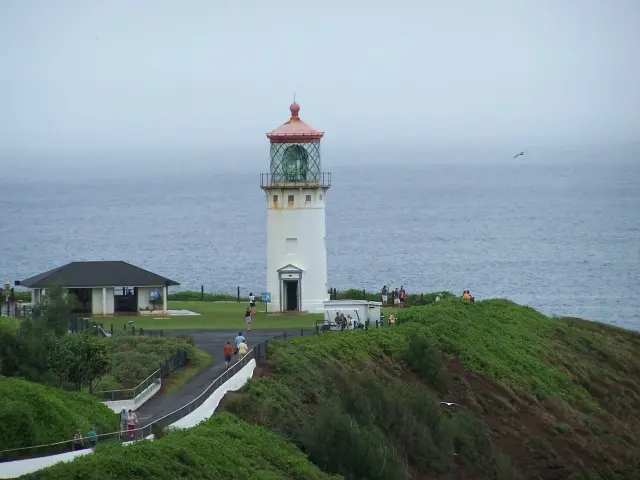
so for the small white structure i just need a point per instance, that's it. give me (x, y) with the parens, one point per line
(296, 191)
(360, 310)
(104, 287)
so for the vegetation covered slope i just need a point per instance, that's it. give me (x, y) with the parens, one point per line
(222, 447)
(33, 414)
(132, 358)
(537, 397)
(558, 397)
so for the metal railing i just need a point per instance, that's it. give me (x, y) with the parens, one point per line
(268, 180)
(258, 352)
(169, 365)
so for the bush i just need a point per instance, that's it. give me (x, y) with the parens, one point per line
(191, 296)
(221, 447)
(33, 414)
(342, 399)
(413, 299)
(133, 358)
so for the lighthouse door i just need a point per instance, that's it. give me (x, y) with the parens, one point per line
(291, 298)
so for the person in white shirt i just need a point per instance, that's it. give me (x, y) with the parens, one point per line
(252, 302)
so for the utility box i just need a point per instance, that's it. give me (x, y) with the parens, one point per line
(362, 311)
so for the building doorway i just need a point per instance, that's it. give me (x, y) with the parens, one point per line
(82, 300)
(291, 298)
(125, 300)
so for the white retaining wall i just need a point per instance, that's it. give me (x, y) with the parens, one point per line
(18, 468)
(135, 403)
(209, 406)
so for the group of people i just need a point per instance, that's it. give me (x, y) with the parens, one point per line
(78, 439)
(345, 323)
(251, 309)
(239, 347)
(467, 296)
(398, 296)
(128, 421)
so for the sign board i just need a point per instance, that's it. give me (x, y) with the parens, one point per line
(266, 297)
(154, 295)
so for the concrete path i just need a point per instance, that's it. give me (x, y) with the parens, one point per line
(212, 342)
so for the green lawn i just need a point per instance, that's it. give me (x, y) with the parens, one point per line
(214, 316)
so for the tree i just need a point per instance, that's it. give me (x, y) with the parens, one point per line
(80, 359)
(54, 310)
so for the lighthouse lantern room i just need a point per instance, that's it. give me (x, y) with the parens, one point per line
(296, 190)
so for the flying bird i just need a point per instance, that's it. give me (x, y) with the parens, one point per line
(521, 153)
(449, 404)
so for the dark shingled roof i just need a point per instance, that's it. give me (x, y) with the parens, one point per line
(97, 274)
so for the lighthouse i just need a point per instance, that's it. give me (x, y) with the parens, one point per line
(296, 190)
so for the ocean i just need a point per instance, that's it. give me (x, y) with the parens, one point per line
(562, 238)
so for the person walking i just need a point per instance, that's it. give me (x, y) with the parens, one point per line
(228, 354)
(385, 294)
(123, 421)
(132, 419)
(248, 317)
(78, 443)
(243, 349)
(237, 341)
(252, 302)
(93, 437)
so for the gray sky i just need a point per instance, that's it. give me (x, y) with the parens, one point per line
(88, 78)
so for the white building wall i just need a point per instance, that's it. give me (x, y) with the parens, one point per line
(110, 301)
(96, 301)
(304, 222)
(143, 297)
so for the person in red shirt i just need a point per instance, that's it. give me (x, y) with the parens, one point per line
(228, 354)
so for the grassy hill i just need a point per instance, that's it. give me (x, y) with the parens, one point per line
(537, 397)
(221, 447)
(33, 414)
(548, 398)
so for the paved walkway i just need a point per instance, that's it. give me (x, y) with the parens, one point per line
(212, 342)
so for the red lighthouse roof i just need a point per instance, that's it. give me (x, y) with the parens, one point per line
(295, 130)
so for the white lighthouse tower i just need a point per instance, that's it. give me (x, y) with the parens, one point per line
(296, 190)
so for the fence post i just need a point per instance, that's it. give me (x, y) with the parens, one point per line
(112, 329)
(301, 332)
(161, 333)
(141, 332)
(285, 336)
(266, 349)
(133, 330)
(201, 292)
(238, 293)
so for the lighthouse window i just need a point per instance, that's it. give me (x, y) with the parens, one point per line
(320, 196)
(290, 200)
(308, 199)
(275, 199)
(291, 246)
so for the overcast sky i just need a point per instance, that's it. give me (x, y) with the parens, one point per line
(89, 78)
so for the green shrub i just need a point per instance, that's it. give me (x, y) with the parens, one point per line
(33, 414)
(221, 447)
(133, 358)
(413, 299)
(339, 400)
(9, 324)
(190, 296)
(425, 358)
